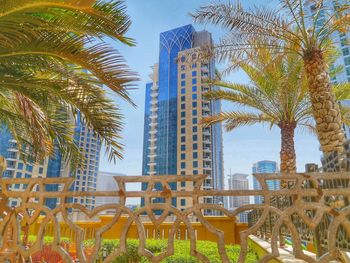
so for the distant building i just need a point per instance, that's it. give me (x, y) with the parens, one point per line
(16, 166)
(106, 182)
(86, 173)
(261, 168)
(238, 182)
(175, 143)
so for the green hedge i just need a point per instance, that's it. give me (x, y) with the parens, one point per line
(181, 253)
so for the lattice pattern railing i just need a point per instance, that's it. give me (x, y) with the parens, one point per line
(309, 194)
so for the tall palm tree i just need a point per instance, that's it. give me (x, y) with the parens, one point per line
(277, 96)
(289, 30)
(53, 62)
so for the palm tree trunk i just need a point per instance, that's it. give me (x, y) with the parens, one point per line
(287, 154)
(288, 161)
(325, 108)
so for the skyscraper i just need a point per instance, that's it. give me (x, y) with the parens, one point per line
(85, 174)
(238, 182)
(16, 167)
(174, 141)
(261, 168)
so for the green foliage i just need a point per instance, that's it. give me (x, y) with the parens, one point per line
(53, 62)
(181, 254)
(182, 251)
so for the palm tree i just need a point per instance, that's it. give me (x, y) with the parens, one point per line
(277, 96)
(289, 30)
(53, 62)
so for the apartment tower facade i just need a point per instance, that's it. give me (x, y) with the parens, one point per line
(175, 143)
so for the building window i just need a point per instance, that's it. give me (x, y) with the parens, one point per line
(194, 81)
(194, 73)
(20, 166)
(194, 104)
(194, 128)
(27, 176)
(41, 170)
(194, 121)
(183, 184)
(346, 51)
(183, 130)
(183, 106)
(18, 175)
(195, 138)
(183, 156)
(183, 122)
(183, 165)
(194, 65)
(183, 114)
(183, 59)
(183, 75)
(183, 91)
(348, 71)
(347, 61)
(194, 88)
(183, 67)
(183, 147)
(183, 173)
(195, 155)
(183, 83)
(194, 96)
(183, 139)
(344, 42)
(195, 164)
(195, 146)
(183, 202)
(194, 112)
(195, 171)
(183, 98)
(29, 168)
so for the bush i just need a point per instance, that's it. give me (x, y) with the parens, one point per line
(181, 253)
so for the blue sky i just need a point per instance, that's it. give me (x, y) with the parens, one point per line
(242, 147)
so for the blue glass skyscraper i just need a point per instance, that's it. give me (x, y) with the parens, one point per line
(174, 141)
(264, 167)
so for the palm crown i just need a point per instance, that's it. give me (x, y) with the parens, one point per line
(53, 63)
(277, 95)
(290, 30)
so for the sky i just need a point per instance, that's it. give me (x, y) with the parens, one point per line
(242, 147)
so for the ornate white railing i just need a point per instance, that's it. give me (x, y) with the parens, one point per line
(313, 197)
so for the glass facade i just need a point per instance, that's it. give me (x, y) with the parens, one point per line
(171, 43)
(263, 167)
(174, 106)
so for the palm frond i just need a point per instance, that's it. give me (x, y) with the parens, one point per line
(237, 119)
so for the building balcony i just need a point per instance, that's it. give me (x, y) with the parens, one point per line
(154, 94)
(154, 87)
(153, 139)
(154, 108)
(206, 141)
(152, 132)
(206, 149)
(154, 102)
(154, 116)
(152, 164)
(206, 132)
(153, 124)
